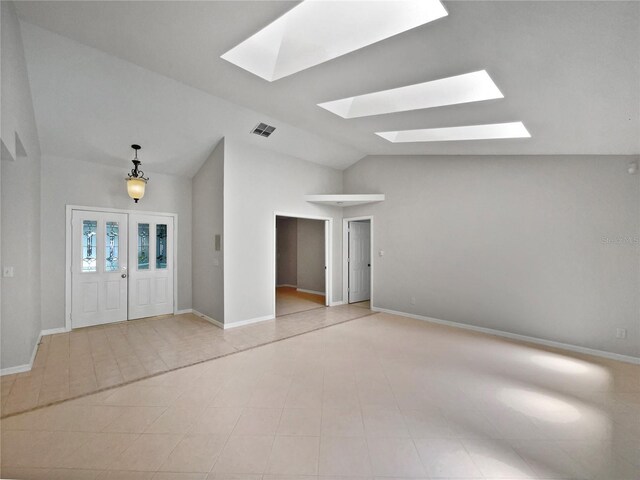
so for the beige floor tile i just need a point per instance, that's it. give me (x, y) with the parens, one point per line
(344, 456)
(86, 360)
(179, 476)
(269, 397)
(300, 421)
(217, 420)
(139, 396)
(134, 419)
(100, 451)
(175, 420)
(384, 422)
(497, 459)
(258, 421)
(78, 418)
(428, 423)
(446, 458)
(466, 401)
(233, 476)
(304, 396)
(549, 461)
(394, 457)
(195, 453)
(245, 454)
(72, 474)
(294, 456)
(344, 422)
(147, 453)
(40, 449)
(24, 473)
(124, 475)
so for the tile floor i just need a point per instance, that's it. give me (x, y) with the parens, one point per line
(289, 300)
(90, 359)
(379, 397)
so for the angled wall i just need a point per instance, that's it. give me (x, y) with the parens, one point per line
(208, 221)
(20, 201)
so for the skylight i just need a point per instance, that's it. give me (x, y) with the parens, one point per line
(470, 87)
(471, 132)
(316, 31)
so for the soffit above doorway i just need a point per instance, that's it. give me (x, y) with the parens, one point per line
(346, 200)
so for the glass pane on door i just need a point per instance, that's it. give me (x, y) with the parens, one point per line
(161, 246)
(89, 231)
(143, 246)
(111, 263)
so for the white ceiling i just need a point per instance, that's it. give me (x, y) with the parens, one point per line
(92, 106)
(569, 70)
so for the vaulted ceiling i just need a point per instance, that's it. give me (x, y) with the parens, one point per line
(569, 70)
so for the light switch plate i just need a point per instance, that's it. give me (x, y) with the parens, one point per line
(7, 272)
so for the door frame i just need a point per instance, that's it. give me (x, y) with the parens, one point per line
(328, 254)
(68, 252)
(345, 255)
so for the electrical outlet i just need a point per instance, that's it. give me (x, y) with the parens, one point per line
(7, 272)
(621, 333)
(412, 300)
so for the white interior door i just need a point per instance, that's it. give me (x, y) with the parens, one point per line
(359, 261)
(98, 268)
(151, 267)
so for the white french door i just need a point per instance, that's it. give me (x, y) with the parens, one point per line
(359, 261)
(151, 268)
(121, 266)
(98, 268)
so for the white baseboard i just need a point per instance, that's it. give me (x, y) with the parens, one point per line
(53, 331)
(17, 369)
(242, 323)
(315, 292)
(516, 336)
(335, 304)
(286, 285)
(217, 323)
(27, 366)
(182, 312)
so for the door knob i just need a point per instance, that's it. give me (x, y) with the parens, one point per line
(124, 275)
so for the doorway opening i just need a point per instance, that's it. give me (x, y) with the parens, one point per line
(120, 266)
(301, 266)
(358, 260)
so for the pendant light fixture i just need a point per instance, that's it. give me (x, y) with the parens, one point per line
(136, 182)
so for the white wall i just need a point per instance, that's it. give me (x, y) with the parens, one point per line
(516, 244)
(73, 182)
(310, 252)
(208, 267)
(20, 322)
(257, 184)
(287, 245)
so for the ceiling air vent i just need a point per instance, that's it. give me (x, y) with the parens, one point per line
(263, 130)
